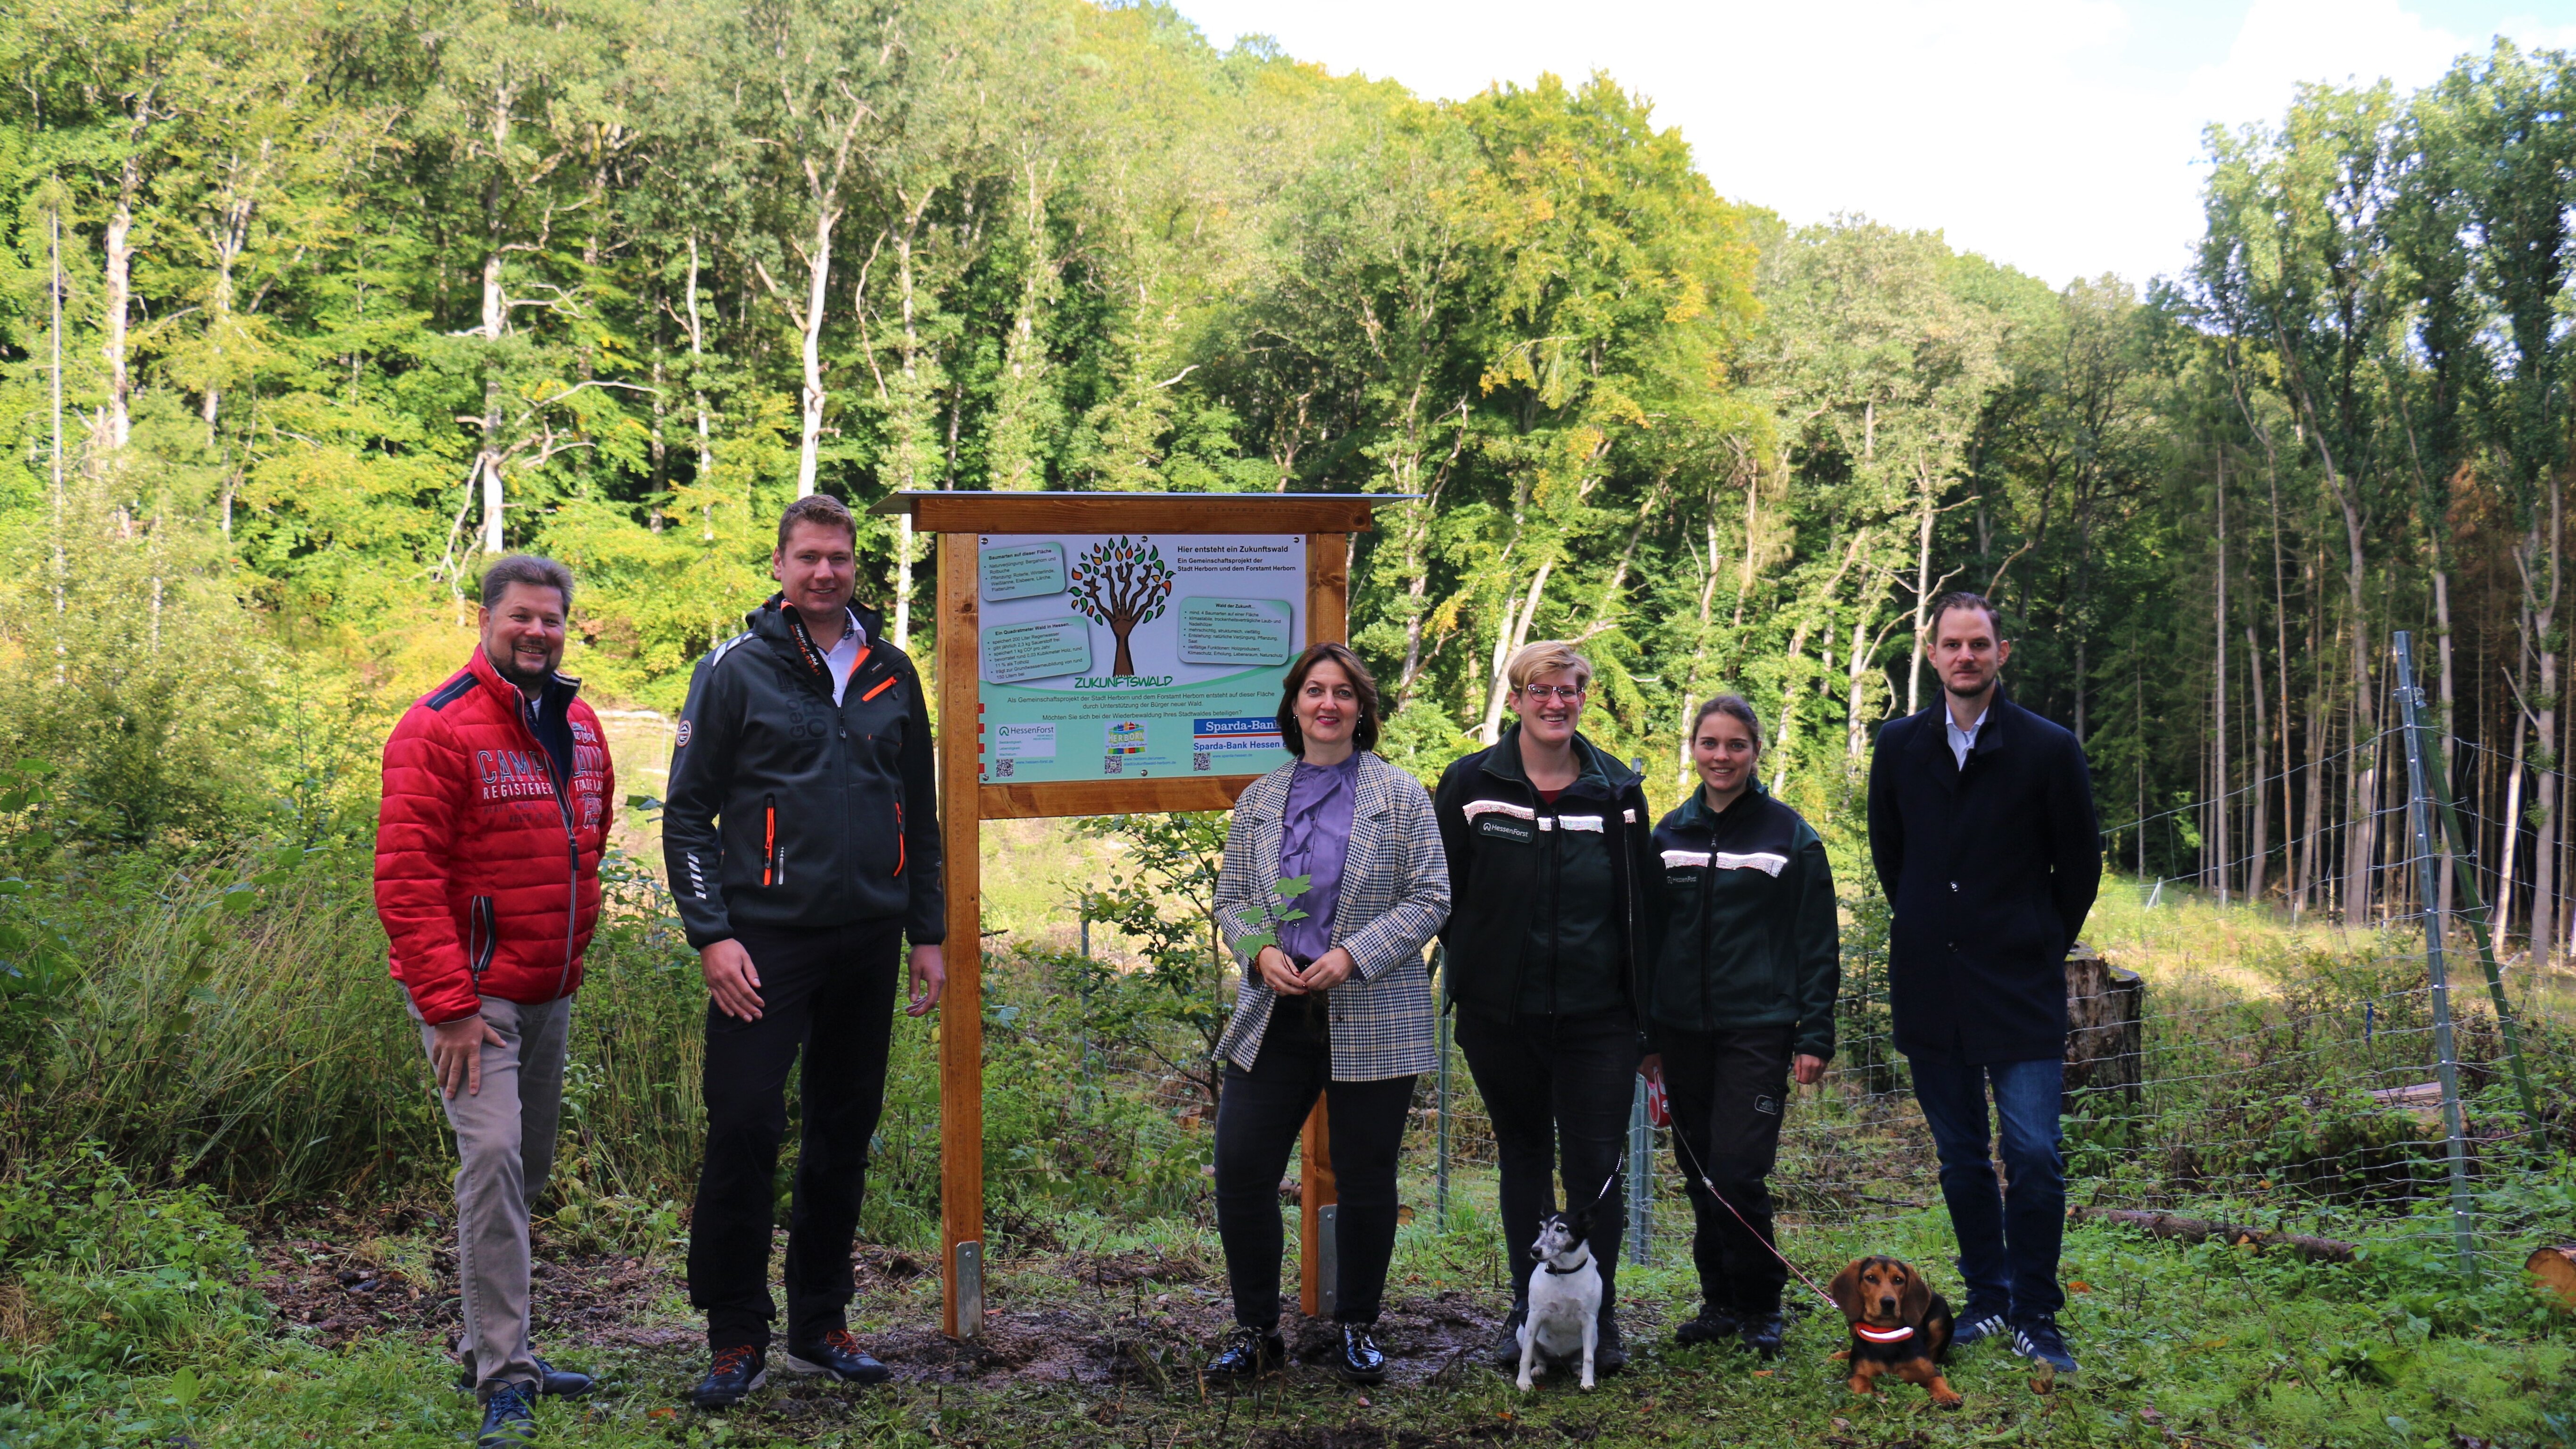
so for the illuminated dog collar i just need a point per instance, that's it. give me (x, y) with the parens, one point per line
(1883, 1335)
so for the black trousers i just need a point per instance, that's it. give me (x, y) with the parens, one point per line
(1256, 1125)
(1557, 1089)
(829, 994)
(1728, 1090)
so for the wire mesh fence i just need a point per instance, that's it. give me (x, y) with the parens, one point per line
(2353, 1082)
(2332, 1063)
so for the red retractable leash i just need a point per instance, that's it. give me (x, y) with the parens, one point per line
(1874, 1335)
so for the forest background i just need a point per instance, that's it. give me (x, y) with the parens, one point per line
(307, 311)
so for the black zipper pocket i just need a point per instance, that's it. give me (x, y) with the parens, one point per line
(773, 863)
(482, 936)
(898, 837)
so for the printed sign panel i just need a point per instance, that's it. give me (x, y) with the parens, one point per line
(1136, 656)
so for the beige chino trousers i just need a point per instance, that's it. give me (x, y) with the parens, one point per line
(505, 1148)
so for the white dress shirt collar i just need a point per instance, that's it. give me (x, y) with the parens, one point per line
(1963, 740)
(842, 659)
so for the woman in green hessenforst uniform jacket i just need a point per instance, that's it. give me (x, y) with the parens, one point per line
(1742, 1000)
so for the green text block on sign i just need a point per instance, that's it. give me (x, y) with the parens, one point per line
(1041, 649)
(1236, 631)
(1020, 571)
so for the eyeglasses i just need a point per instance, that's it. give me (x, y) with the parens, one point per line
(1567, 692)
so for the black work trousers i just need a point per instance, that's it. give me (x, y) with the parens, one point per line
(829, 994)
(1728, 1090)
(1557, 1090)
(1256, 1124)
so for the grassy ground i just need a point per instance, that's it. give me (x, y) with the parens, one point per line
(148, 1317)
(1091, 1340)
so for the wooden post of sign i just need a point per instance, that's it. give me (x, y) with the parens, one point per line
(961, 1006)
(1328, 596)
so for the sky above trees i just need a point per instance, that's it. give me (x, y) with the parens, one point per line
(2063, 137)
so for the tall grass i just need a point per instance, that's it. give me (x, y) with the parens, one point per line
(246, 1037)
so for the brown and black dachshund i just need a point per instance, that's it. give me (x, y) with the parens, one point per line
(1898, 1326)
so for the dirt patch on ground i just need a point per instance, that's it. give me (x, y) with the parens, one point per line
(335, 1281)
(1357, 1435)
(1160, 1347)
(1129, 1319)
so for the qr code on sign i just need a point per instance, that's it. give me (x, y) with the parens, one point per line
(1002, 769)
(1114, 765)
(1199, 760)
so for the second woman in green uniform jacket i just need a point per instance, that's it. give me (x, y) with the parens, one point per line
(1749, 963)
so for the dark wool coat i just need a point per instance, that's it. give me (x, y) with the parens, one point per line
(1991, 870)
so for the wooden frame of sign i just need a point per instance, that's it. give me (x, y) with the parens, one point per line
(1327, 520)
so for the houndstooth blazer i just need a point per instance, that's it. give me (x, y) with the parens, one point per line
(1395, 897)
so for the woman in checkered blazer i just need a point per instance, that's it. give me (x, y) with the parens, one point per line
(1335, 991)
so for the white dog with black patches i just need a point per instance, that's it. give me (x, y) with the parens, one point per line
(1564, 1298)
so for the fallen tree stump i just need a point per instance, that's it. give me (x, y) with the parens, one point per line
(2203, 1230)
(2554, 1268)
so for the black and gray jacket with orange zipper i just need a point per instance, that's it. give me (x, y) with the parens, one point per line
(1749, 933)
(791, 812)
(1543, 893)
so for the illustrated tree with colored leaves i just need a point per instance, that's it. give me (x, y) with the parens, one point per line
(1121, 583)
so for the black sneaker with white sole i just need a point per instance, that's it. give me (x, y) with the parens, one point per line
(2038, 1340)
(838, 1356)
(737, 1371)
(1979, 1323)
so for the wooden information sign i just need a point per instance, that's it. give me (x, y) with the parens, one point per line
(1103, 654)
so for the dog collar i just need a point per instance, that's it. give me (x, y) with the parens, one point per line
(1884, 1335)
(1579, 1267)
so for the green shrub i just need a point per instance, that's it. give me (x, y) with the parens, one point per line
(109, 1277)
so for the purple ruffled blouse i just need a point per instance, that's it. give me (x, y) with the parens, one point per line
(1315, 841)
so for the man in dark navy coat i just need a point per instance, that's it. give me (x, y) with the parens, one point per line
(1981, 825)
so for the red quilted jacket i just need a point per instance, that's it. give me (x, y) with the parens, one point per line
(487, 870)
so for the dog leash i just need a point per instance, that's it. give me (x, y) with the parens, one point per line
(1701, 1176)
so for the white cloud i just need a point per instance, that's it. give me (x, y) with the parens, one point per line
(2029, 130)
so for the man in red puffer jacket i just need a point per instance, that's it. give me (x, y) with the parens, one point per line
(496, 807)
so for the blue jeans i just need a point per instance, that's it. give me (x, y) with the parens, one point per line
(2008, 1239)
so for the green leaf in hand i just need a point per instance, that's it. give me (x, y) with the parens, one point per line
(1293, 887)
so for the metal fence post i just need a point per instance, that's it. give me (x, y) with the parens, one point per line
(2465, 883)
(2419, 802)
(1440, 1100)
(1641, 1177)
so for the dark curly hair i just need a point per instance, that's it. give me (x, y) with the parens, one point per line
(1364, 733)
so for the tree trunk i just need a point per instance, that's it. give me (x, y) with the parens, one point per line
(2281, 653)
(697, 381)
(818, 283)
(2544, 813)
(2218, 699)
(2312, 828)
(2260, 853)
(2365, 725)
(1699, 654)
(1922, 592)
(1507, 642)
(487, 455)
(120, 302)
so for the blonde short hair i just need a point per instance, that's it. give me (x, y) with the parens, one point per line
(1547, 656)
